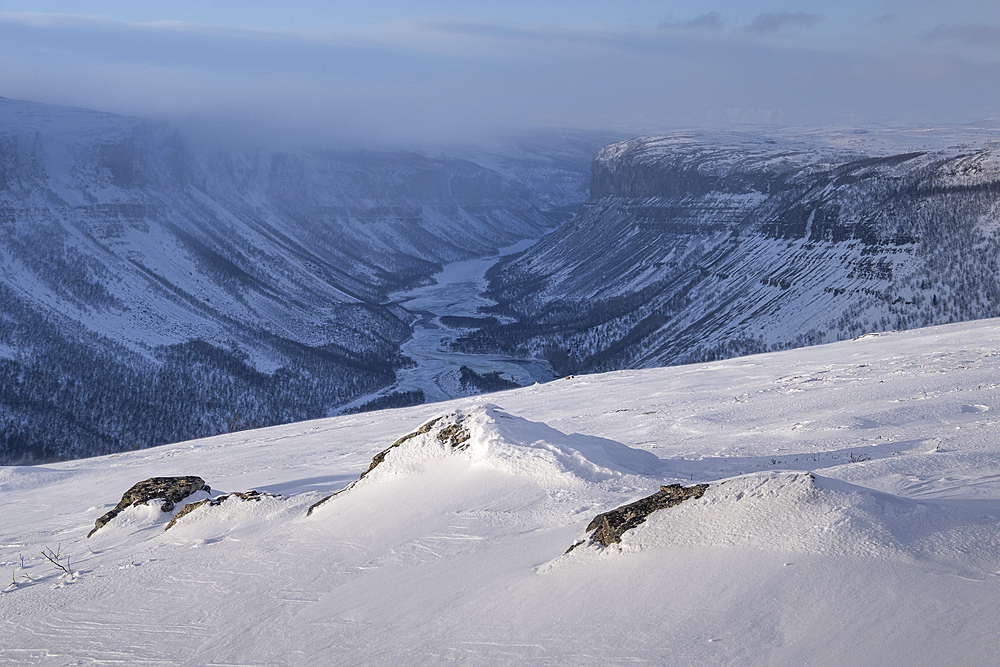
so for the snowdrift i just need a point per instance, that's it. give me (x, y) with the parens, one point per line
(803, 513)
(488, 436)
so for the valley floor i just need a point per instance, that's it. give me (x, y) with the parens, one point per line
(455, 293)
(852, 518)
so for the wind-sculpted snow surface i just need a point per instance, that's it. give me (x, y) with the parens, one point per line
(489, 439)
(699, 246)
(154, 290)
(520, 448)
(845, 510)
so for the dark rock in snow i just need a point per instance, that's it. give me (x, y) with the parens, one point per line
(326, 498)
(171, 489)
(453, 434)
(215, 502)
(609, 527)
(380, 457)
(456, 435)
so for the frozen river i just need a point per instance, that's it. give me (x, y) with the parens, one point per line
(457, 292)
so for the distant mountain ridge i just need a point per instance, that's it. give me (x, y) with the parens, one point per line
(152, 290)
(698, 246)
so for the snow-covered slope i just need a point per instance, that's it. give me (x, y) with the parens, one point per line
(851, 517)
(699, 246)
(153, 290)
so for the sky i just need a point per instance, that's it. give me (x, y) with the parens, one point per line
(387, 70)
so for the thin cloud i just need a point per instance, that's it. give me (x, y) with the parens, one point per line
(884, 19)
(107, 28)
(430, 78)
(966, 35)
(709, 21)
(773, 22)
(510, 39)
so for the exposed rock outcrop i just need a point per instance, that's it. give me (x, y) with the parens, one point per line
(610, 526)
(452, 433)
(215, 502)
(380, 457)
(171, 490)
(455, 435)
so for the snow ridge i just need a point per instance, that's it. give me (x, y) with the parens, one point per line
(804, 513)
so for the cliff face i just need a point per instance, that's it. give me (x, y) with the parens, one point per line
(697, 247)
(153, 290)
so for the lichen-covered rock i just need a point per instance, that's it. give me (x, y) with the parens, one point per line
(215, 502)
(171, 490)
(456, 435)
(610, 526)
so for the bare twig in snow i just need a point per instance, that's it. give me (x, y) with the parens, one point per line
(55, 557)
(25, 574)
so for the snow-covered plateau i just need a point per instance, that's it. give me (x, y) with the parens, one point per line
(851, 516)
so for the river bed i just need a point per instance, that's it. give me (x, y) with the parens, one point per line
(457, 292)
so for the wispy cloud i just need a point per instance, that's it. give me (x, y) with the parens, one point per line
(710, 21)
(966, 35)
(773, 22)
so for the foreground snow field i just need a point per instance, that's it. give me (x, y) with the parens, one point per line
(888, 553)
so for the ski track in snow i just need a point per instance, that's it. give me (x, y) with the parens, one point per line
(889, 553)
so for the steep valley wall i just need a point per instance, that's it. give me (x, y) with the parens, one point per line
(697, 247)
(153, 290)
